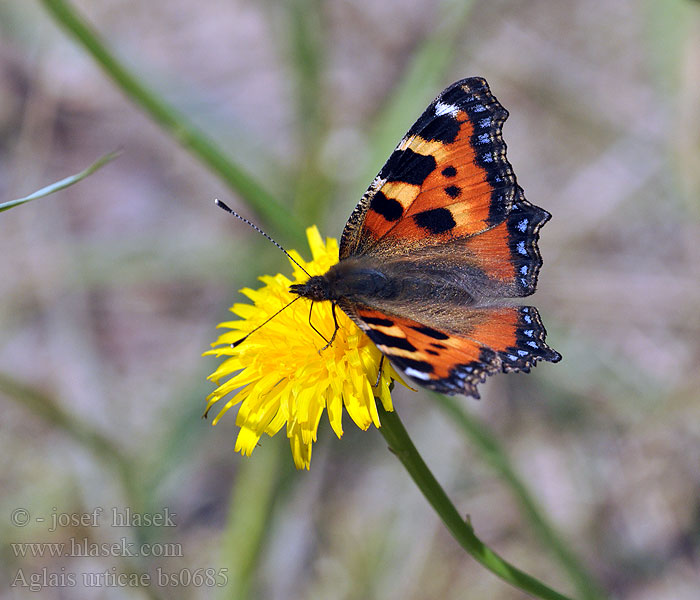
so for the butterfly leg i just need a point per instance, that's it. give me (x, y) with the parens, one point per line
(328, 343)
(379, 372)
(335, 328)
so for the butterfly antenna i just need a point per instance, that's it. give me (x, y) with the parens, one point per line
(220, 204)
(247, 335)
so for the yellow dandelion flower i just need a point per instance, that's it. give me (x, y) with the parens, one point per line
(279, 377)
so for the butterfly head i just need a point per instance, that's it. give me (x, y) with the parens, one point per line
(317, 288)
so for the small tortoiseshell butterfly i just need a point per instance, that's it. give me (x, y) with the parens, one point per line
(441, 236)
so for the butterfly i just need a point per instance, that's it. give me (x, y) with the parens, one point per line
(442, 236)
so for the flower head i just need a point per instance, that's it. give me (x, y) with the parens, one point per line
(281, 376)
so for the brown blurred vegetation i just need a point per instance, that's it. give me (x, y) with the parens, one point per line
(112, 289)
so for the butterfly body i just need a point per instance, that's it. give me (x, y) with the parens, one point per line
(440, 239)
(394, 284)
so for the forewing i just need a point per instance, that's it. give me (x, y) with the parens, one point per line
(449, 191)
(448, 177)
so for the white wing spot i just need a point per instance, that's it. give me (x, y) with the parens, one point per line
(445, 109)
(417, 374)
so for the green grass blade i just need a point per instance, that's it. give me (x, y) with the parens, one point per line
(668, 25)
(62, 184)
(306, 52)
(99, 447)
(177, 125)
(420, 83)
(48, 409)
(249, 518)
(494, 455)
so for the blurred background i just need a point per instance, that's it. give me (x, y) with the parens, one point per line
(112, 289)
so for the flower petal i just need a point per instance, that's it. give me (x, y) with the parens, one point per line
(281, 377)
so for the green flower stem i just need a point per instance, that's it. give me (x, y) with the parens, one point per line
(494, 455)
(400, 444)
(175, 123)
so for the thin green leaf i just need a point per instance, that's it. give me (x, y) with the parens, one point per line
(62, 184)
(306, 52)
(44, 406)
(419, 84)
(250, 513)
(251, 191)
(668, 25)
(47, 408)
(493, 454)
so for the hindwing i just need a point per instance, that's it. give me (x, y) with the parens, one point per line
(491, 339)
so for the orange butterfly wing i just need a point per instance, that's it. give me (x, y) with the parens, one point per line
(449, 182)
(447, 177)
(496, 339)
(446, 219)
